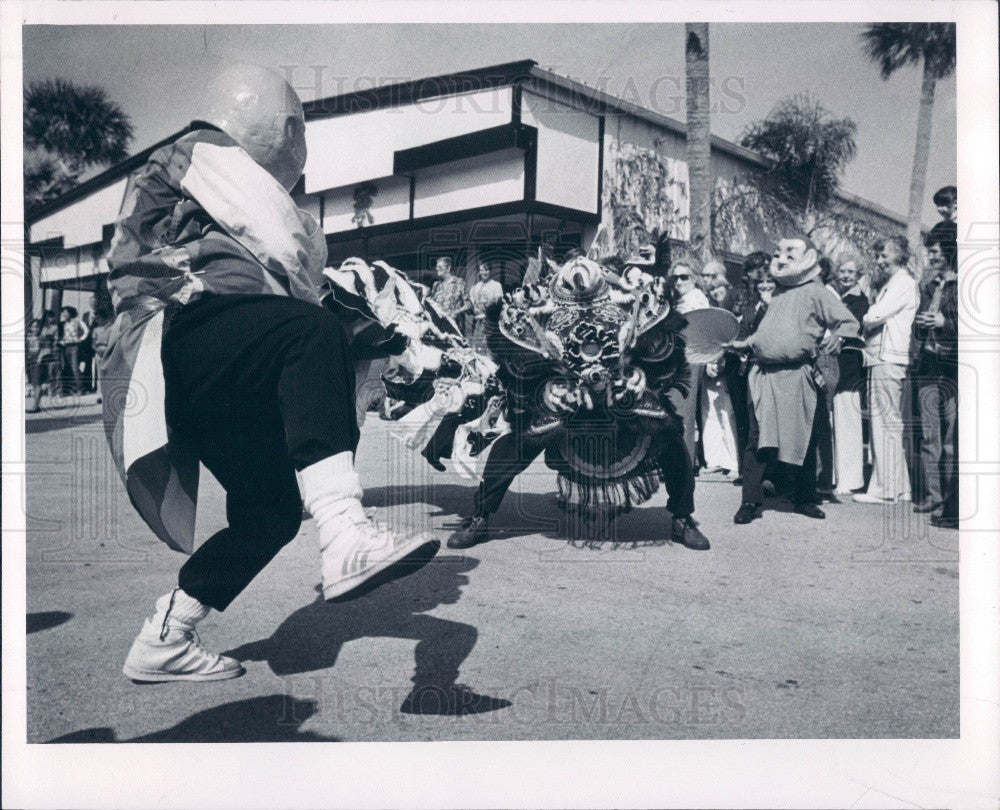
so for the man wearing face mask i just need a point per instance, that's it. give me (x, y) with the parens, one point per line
(222, 354)
(784, 391)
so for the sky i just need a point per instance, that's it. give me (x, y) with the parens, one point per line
(155, 72)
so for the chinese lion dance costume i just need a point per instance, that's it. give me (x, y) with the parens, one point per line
(591, 357)
(583, 364)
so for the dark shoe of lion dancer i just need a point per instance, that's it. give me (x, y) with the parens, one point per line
(510, 455)
(678, 477)
(215, 276)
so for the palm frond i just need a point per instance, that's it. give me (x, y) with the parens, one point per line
(895, 45)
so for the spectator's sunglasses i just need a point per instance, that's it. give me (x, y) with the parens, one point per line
(681, 276)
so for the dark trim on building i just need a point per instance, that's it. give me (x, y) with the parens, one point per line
(600, 166)
(413, 194)
(54, 242)
(453, 217)
(322, 208)
(483, 142)
(394, 95)
(531, 166)
(515, 105)
(107, 233)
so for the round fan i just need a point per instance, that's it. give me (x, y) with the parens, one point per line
(706, 332)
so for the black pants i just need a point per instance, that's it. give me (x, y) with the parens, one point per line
(258, 386)
(739, 396)
(756, 462)
(513, 453)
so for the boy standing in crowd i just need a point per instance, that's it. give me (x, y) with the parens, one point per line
(934, 355)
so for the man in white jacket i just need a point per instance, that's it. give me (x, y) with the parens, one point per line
(886, 327)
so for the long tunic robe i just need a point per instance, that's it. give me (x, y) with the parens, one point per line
(782, 385)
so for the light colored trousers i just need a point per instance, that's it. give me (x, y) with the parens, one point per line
(890, 477)
(718, 437)
(848, 442)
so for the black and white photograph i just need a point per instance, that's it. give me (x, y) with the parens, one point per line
(522, 376)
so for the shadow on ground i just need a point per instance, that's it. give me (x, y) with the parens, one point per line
(269, 718)
(523, 514)
(311, 638)
(45, 424)
(46, 619)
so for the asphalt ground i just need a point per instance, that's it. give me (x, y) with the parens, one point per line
(786, 628)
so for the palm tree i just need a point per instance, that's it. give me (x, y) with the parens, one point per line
(69, 130)
(807, 149)
(893, 45)
(699, 148)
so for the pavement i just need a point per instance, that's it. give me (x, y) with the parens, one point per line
(786, 628)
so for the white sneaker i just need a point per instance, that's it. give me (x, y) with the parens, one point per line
(168, 649)
(366, 554)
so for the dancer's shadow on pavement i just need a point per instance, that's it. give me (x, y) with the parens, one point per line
(522, 513)
(268, 718)
(311, 638)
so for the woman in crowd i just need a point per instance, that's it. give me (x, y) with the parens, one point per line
(50, 354)
(828, 366)
(687, 297)
(74, 333)
(848, 440)
(484, 293)
(32, 367)
(718, 436)
(100, 335)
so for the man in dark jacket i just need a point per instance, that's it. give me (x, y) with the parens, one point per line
(934, 361)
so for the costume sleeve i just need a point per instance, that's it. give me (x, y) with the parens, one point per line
(254, 208)
(894, 300)
(835, 316)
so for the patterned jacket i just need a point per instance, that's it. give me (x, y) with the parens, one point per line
(200, 217)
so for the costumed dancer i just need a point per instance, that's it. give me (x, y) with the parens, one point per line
(547, 387)
(222, 354)
(785, 394)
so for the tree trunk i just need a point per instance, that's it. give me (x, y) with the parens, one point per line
(921, 155)
(699, 156)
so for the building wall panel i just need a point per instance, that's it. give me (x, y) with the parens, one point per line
(569, 149)
(349, 149)
(485, 180)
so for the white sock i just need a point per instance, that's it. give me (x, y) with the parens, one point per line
(331, 491)
(179, 608)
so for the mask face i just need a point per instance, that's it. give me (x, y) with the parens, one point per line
(259, 110)
(794, 262)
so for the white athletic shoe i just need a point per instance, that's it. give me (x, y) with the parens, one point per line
(168, 649)
(365, 554)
